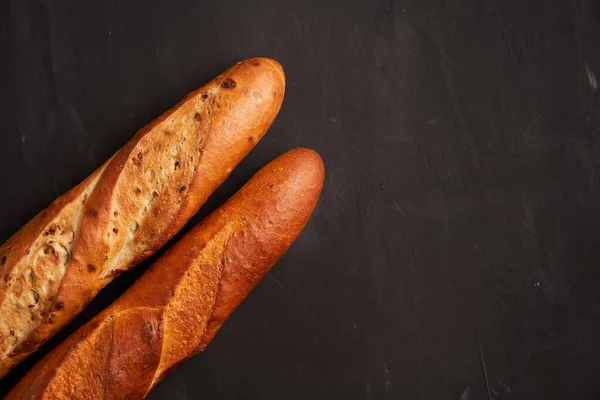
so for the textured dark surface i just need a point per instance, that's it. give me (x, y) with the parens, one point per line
(455, 252)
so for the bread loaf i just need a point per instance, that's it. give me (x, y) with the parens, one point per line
(175, 308)
(131, 206)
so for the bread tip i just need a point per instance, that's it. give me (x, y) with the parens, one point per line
(265, 61)
(309, 156)
(267, 64)
(308, 159)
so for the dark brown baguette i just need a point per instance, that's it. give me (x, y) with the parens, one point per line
(175, 308)
(131, 206)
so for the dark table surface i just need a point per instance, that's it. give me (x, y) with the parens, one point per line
(455, 252)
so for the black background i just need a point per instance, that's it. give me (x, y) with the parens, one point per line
(455, 251)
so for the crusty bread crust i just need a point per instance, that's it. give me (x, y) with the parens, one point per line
(131, 206)
(175, 308)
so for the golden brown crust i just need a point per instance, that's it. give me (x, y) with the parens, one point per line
(131, 206)
(176, 307)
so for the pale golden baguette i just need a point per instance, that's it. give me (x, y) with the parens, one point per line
(175, 308)
(131, 206)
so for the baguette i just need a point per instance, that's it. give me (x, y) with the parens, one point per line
(131, 206)
(175, 308)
